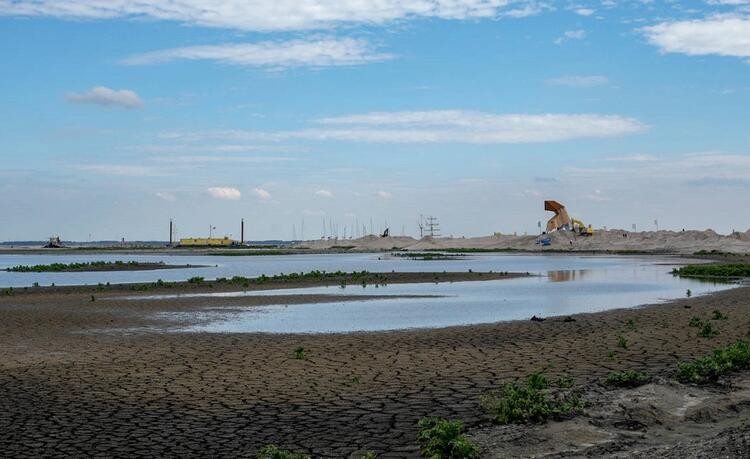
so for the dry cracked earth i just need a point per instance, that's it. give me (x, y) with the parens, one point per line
(104, 378)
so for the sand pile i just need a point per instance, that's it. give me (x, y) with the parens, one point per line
(681, 242)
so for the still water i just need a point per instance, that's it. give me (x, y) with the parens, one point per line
(561, 285)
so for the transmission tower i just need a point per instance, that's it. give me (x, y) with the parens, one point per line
(432, 226)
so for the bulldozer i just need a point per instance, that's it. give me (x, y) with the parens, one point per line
(562, 220)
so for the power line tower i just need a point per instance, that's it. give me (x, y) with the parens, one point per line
(432, 226)
(420, 223)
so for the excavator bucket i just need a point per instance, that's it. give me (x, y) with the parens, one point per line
(561, 219)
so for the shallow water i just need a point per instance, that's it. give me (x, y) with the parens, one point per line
(460, 303)
(560, 285)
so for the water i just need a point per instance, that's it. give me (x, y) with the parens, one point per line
(253, 266)
(561, 285)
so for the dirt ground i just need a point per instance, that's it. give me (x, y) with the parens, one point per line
(73, 383)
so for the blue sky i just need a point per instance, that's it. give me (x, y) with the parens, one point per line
(118, 115)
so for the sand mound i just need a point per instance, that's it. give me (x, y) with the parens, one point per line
(680, 242)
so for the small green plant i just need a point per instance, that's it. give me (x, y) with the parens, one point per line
(529, 402)
(356, 379)
(627, 378)
(299, 353)
(195, 280)
(35, 284)
(611, 355)
(564, 382)
(622, 342)
(274, 452)
(688, 293)
(443, 439)
(708, 331)
(717, 315)
(369, 455)
(695, 322)
(709, 369)
(92, 298)
(630, 324)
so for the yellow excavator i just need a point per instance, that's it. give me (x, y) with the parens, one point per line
(562, 221)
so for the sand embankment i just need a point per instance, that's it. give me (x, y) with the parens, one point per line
(677, 242)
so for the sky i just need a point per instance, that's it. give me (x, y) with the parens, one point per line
(313, 117)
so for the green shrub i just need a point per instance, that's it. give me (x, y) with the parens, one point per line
(714, 270)
(622, 342)
(695, 322)
(530, 402)
(442, 439)
(718, 315)
(299, 353)
(734, 357)
(707, 331)
(627, 378)
(369, 455)
(273, 452)
(195, 280)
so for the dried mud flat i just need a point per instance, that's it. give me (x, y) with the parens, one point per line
(69, 389)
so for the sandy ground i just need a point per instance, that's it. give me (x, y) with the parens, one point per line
(681, 242)
(75, 384)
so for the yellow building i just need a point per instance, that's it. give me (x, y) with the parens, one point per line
(206, 242)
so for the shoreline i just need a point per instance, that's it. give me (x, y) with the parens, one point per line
(236, 392)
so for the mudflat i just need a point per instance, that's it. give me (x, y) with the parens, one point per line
(83, 378)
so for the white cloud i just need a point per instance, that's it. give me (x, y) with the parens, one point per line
(439, 126)
(584, 11)
(384, 194)
(580, 81)
(324, 193)
(126, 170)
(274, 54)
(262, 194)
(228, 193)
(568, 35)
(634, 158)
(269, 15)
(719, 35)
(166, 196)
(462, 126)
(100, 95)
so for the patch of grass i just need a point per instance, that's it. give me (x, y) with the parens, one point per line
(274, 452)
(627, 378)
(695, 322)
(369, 455)
(717, 315)
(195, 280)
(630, 324)
(443, 439)
(299, 353)
(88, 266)
(708, 331)
(734, 270)
(9, 291)
(622, 342)
(529, 402)
(709, 369)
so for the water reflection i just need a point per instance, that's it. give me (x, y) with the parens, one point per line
(568, 275)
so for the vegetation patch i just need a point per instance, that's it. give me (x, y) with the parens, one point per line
(88, 266)
(708, 331)
(274, 452)
(530, 402)
(734, 357)
(627, 378)
(730, 271)
(443, 439)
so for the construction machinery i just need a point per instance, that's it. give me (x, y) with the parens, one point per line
(562, 220)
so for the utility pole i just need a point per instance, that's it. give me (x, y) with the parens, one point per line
(242, 231)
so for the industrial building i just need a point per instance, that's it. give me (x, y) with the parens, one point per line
(207, 242)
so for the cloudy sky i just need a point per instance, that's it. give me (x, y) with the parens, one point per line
(117, 115)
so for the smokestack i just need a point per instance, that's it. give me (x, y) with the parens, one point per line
(170, 232)
(242, 231)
